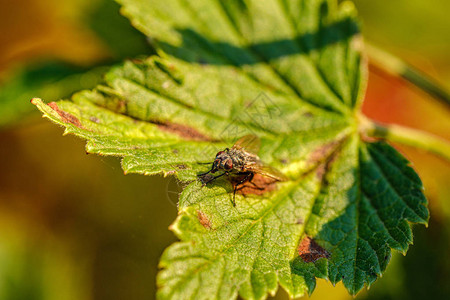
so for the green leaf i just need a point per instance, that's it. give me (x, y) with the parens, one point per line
(291, 73)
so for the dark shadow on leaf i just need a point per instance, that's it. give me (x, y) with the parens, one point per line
(200, 49)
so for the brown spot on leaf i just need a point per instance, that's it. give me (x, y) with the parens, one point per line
(94, 119)
(310, 251)
(181, 167)
(183, 131)
(258, 186)
(321, 170)
(324, 151)
(324, 167)
(324, 156)
(203, 219)
(65, 116)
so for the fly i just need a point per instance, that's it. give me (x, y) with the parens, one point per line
(241, 162)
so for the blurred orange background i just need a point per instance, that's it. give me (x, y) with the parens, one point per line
(72, 226)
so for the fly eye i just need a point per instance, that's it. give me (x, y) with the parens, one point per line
(220, 152)
(228, 164)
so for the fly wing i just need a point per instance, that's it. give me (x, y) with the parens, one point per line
(268, 171)
(250, 143)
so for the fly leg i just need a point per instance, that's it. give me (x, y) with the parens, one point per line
(248, 176)
(211, 179)
(249, 180)
(203, 174)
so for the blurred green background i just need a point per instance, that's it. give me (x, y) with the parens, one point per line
(72, 226)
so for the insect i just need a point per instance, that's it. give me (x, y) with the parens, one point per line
(242, 163)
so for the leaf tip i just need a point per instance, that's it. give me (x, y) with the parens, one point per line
(36, 101)
(53, 112)
(310, 291)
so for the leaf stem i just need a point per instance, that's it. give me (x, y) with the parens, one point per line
(406, 136)
(397, 67)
